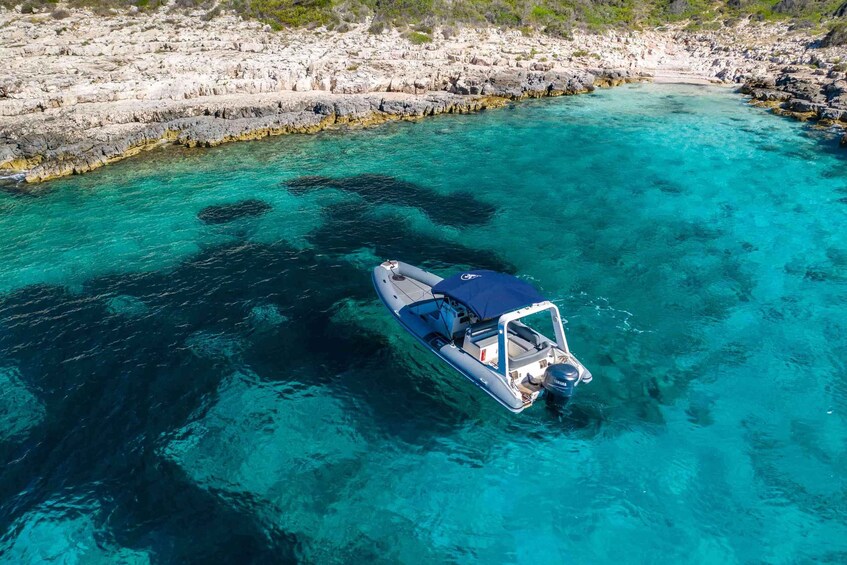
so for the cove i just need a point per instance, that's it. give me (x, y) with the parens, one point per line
(230, 389)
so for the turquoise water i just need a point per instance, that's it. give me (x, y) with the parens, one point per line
(177, 390)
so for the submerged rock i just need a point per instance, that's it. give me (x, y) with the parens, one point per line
(291, 453)
(301, 185)
(351, 226)
(65, 532)
(667, 186)
(20, 410)
(266, 315)
(126, 305)
(450, 209)
(223, 213)
(215, 346)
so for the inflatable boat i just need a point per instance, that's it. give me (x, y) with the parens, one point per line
(483, 324)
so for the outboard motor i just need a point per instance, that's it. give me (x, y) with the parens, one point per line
(560, 381)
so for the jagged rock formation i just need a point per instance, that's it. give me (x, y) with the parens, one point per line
(816, 92)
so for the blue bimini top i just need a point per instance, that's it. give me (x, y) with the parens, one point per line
(488, 294)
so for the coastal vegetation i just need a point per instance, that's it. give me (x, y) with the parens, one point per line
(837, 36)
(554, 17)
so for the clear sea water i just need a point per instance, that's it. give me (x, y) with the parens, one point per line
(174, 390)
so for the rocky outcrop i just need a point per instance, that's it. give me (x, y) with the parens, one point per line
(209, 125)
(47, 156)
(516, 84)
(803, 93)
(86, 90)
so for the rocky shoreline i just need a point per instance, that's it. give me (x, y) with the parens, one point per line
(206, 123)
(818, 95)
(85, 91)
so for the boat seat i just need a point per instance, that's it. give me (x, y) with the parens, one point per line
(525, 346)
(483, 330)
(525, 333)
(532, 356)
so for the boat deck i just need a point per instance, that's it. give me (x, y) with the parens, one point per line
(410, 290)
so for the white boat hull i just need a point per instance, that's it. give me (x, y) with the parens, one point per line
(399, 302)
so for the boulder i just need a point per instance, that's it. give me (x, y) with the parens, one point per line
(303, 84)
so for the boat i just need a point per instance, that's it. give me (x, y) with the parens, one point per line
(482, 323)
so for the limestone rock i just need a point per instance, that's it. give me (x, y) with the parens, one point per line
(108, 87)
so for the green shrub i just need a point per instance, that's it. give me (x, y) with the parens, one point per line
(377, 28)
(559, 29)
(418, 38)
(287, 13)
(837, 36)
(212, 14)
(552, 17)
(541, 12)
